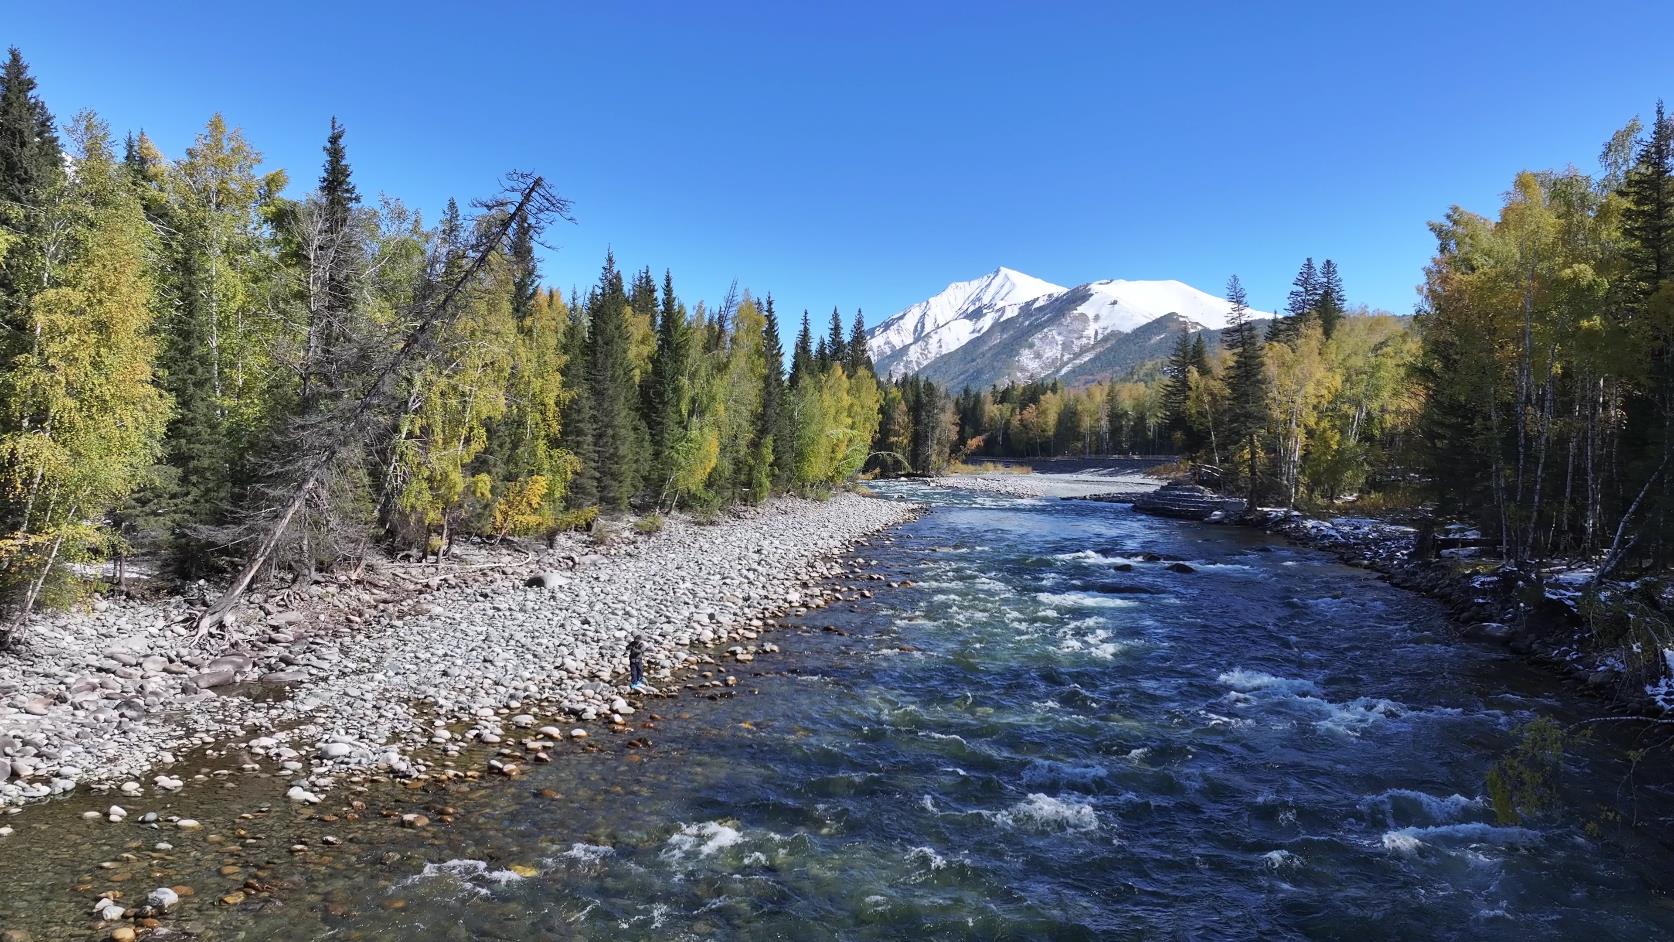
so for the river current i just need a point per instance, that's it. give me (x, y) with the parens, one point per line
(1075, 722)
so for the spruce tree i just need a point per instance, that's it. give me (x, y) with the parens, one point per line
(578, 436)
(31, 165)
(31, 160)
(1247, 382)
(1648, 216)
(1332, 304)
(772, 435)
(802, 356)
(665, 385)
(1301, 304)
(526, 276)
(610, 374)
(1176, 393)
(837, 349)
(859, 356)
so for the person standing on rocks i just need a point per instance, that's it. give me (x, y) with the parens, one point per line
(636, 663)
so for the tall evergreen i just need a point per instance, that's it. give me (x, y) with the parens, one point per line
(578, 437)
(802, 356)
(610, 375)
(1176, 393)
(31, 160)
(1648, 217)
(666, 383)
(1246, 383)
(332, 281)
(31, 164)
(837, 348)
(1332, 303)
(1301, 304)
(775, 428)
(526, 276)
(859, 356)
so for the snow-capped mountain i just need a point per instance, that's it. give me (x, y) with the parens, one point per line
(1008, 325)
(963, 310)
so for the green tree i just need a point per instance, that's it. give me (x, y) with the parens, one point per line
(83, 416)
(1247, 384)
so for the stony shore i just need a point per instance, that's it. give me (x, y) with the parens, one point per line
(369, 675)
(1082, 484)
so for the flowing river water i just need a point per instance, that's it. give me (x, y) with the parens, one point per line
(1054, 732)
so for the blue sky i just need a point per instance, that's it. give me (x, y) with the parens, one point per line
(864, 155)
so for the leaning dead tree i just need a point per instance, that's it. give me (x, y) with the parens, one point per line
(341, 429)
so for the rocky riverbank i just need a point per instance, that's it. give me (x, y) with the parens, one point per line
(363, 676)
(1077, 484)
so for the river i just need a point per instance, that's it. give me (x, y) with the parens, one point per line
(1076, 722)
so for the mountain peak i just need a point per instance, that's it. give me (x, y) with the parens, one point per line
(1011, 325)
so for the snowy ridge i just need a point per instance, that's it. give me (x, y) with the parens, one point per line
(947, 321)
(1011, 326)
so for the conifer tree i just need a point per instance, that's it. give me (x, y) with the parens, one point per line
(666, 387)
(526, 272)
(836, 348)
(1301, 304)
(1247, 383)
(30, 158)
(1177, 392)
(1648, 216)
(803, 358)
(31, 167)
(578, 437)
(611, 377)
(1332, 303)
(859, 355)
(772, 434)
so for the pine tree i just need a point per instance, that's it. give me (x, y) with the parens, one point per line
(803, 358)
(526, 271)
(666, 387)
(610, 374)
(1177, 392)
(1332, 304)
(1648, 216)
(31, 167)
(859, 356)
(335, 261)
(30, 158)
(836, 348)
(772, 434)
(1301, 304)
(1247, 382)
(578, 437)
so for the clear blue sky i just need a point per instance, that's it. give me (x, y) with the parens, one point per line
(864, 155)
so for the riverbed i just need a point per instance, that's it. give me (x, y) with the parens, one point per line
(1049, 720)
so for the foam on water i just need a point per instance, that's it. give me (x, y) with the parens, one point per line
(1084, 600)
(927, 856)
(468, 875)
(1396, 804)
(588, 853)
(1247, 681)
(1409, 841)
(1278, 859)
(1044, 812)
(705, 839)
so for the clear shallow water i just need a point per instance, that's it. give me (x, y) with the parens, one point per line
(1031, 743)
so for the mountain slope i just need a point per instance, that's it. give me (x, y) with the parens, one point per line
(1028, 329)
(944, 323)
